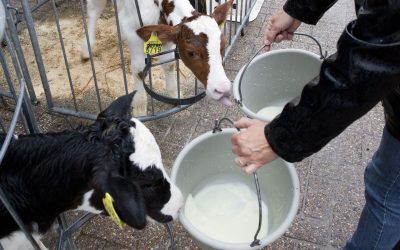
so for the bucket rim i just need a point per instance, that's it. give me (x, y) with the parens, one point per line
(235, 85)
(204, 239)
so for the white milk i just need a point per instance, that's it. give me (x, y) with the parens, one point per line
(225, 208)
(270, 112)
(274, 109)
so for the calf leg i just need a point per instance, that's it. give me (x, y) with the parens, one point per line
(170, 71)
(94, 10)
(135, 44)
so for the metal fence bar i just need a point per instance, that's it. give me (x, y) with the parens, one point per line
(90, 54)
(121, 51)
(29, 123)
(36, 50)
(237, 34)
(20, 54)
(53, 5)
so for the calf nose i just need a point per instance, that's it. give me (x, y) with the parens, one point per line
(222, 93)
(223, 89)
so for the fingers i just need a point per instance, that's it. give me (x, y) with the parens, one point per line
(249, 169)
(240, 162)
(244, 122)
(280, 27)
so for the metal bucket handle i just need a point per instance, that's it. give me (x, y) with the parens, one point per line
(322, 56)
(256, 241)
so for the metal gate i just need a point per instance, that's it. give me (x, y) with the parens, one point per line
(48, 50)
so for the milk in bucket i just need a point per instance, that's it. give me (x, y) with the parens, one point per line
(269, 112)
(225, 208)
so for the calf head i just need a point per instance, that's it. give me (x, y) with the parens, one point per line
(201, 44)
(133, 172)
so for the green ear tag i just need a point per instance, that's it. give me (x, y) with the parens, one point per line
(153, 45)
(108, 205)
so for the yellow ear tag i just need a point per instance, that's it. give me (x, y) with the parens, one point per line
(108, 205)
(153, 45)
(221, 26)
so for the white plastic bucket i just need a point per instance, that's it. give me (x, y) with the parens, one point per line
(210, 155)
(274, 78)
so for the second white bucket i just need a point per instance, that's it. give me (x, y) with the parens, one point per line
(272, 79)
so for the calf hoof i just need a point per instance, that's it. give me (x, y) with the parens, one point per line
(84, 55)
(84, 51)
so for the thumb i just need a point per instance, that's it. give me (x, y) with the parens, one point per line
(249, 169)
(244, 122)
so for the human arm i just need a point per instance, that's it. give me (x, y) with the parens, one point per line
(365, 70)
(284, 22)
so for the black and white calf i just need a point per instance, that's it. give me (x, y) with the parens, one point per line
(47, 174)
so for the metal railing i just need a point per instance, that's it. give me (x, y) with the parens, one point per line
(75, 106)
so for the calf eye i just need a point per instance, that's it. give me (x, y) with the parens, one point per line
(190, 54)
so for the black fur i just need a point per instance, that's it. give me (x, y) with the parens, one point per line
(44, 175)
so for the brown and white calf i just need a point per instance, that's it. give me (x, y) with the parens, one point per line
(198, 38)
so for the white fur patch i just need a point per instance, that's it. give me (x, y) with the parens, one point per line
(147, 153)
(175, 202)
(18, 241)
(182, 9)
(85, 206)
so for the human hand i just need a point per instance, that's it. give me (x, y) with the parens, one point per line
(280, 27)
(251, 146)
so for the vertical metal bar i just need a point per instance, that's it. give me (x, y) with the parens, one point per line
(36, 50)
(121, 51)
(21, 58)
(151, 82)
(178, 82)
(90, 55)
(8, 77)
(29, 123)
(55, 14)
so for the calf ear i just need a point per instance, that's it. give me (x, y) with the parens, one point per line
(165, 33)
(120, 107)
(221, 12)
(128, 201)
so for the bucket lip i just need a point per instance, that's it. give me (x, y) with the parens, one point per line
(235, 87)
(193, 143)
(237, 246)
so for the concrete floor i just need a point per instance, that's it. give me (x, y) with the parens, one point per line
(331, 180)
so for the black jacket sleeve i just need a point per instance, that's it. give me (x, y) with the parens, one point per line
(307, 11)
(365, 69)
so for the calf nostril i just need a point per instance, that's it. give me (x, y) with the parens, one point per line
(218, 92)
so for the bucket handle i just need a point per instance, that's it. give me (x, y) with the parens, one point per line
(256, 241)
(322, 56)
